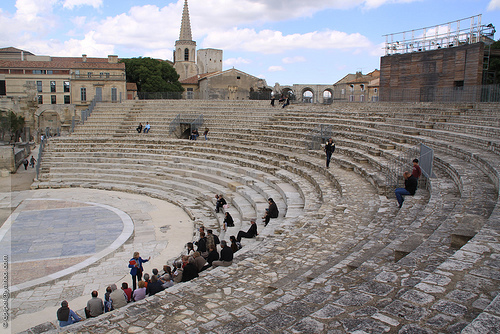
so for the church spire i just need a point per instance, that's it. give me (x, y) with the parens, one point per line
(185, 34)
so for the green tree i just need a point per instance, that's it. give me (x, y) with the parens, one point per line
(152, 75)
(11, 124)
(493, 75)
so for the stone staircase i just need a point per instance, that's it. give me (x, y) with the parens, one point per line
(342, 258)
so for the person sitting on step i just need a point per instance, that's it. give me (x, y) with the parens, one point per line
(271, 212)
(251, 233)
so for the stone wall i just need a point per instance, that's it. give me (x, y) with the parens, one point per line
(432, 75)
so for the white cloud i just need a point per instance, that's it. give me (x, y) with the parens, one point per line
(270, 41)
(226, 12)
(275, 68)
(494, 5)
(235, 61)
(296, 59)
(70, 4)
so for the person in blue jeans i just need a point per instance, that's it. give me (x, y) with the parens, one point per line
(136, 269)
(66, 316)
(409, 189)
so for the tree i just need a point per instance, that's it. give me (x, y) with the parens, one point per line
(152, 75)
(12, 124)
(493, 75)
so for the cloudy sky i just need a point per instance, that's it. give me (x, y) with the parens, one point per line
(294, 41)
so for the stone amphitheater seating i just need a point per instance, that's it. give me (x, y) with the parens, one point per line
(341, 257)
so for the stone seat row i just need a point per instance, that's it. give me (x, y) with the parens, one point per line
(247, 156)
(371, 290)
(256, 193)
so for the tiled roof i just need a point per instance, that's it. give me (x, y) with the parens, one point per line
(131, 86)
(195, 78)
(62, 63)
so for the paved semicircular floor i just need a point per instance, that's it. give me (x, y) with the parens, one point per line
(49, 238)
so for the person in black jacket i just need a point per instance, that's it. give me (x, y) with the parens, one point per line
(329, 149)
(190, 270)
(251, 233)
(409, 189)
(271, 212)
(228, 220)
(154, 286)
(220, 202)
(226, 256)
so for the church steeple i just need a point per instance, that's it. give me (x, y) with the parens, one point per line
(185, 34)
(185, 48)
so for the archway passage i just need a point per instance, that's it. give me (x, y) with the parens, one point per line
(307, 96)
(327, 96)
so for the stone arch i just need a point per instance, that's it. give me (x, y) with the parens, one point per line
(49, 119)
(308, 95)
(328, 96)
(288, 92)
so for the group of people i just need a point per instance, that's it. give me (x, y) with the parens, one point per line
(186, 268)
(195, 134)
(285, 101)
(31, 162)
(144, 129)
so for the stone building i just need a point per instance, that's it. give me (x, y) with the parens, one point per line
(59, 86)
(438, 65)
(357, 87)
(204, 78)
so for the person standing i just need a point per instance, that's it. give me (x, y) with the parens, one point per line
(409, 189)
(136, 270)
(272, 101)
(32, 162)
(329, 149)
(205, 133)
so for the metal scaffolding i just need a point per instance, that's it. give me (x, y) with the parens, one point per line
(447, 35)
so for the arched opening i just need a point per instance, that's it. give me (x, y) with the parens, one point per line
(186, 54)
(49, 122)
(307, 96)
(327, 96)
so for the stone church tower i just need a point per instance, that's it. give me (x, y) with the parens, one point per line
(185, 48)
(209, 60)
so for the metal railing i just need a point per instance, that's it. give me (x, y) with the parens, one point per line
(480, 93)
(175, 123)
(397, 165)
(319, 136)
(159, 95)
(39, 160)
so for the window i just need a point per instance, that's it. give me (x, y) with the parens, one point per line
(375, 90)
(50, 72)
(40, 99)
(362, 88)
(107, 75)
(343, 91)
(67, 99)
(238, 78)
(352, 88)
(66, 86)
(53, 99)
(3, 90)
(186, 54)
(101, 74)
(89, 74)
(39, 86)
(458, 85)
(52, 86)
(113, 94)
(83, 94)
